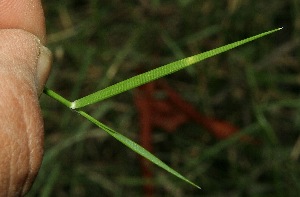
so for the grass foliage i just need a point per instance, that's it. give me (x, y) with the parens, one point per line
(99, 43)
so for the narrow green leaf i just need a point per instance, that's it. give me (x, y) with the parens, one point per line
(135, 147)
(57, 97)
(129, 143)
(158, 73)
(140, 80)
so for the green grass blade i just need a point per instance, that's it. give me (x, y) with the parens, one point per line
(158, 73)
(124, 140)
(135, 147)
(57, 97)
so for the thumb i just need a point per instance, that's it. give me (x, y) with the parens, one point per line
(24, 67)
(34, 60)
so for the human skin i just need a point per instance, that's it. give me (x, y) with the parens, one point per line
(24, 68)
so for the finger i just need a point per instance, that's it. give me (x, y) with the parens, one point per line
(28, 15)
(21, 125)
(23, 14)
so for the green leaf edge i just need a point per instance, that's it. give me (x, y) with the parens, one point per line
(135, 147)
(124, 140)
(158, 73)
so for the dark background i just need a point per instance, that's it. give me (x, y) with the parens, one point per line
(255, 87)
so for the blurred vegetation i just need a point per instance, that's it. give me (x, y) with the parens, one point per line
(256, 87)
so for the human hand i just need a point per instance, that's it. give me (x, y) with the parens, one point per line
(24, 68)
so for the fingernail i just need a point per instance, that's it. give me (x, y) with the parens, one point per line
(43, 68)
